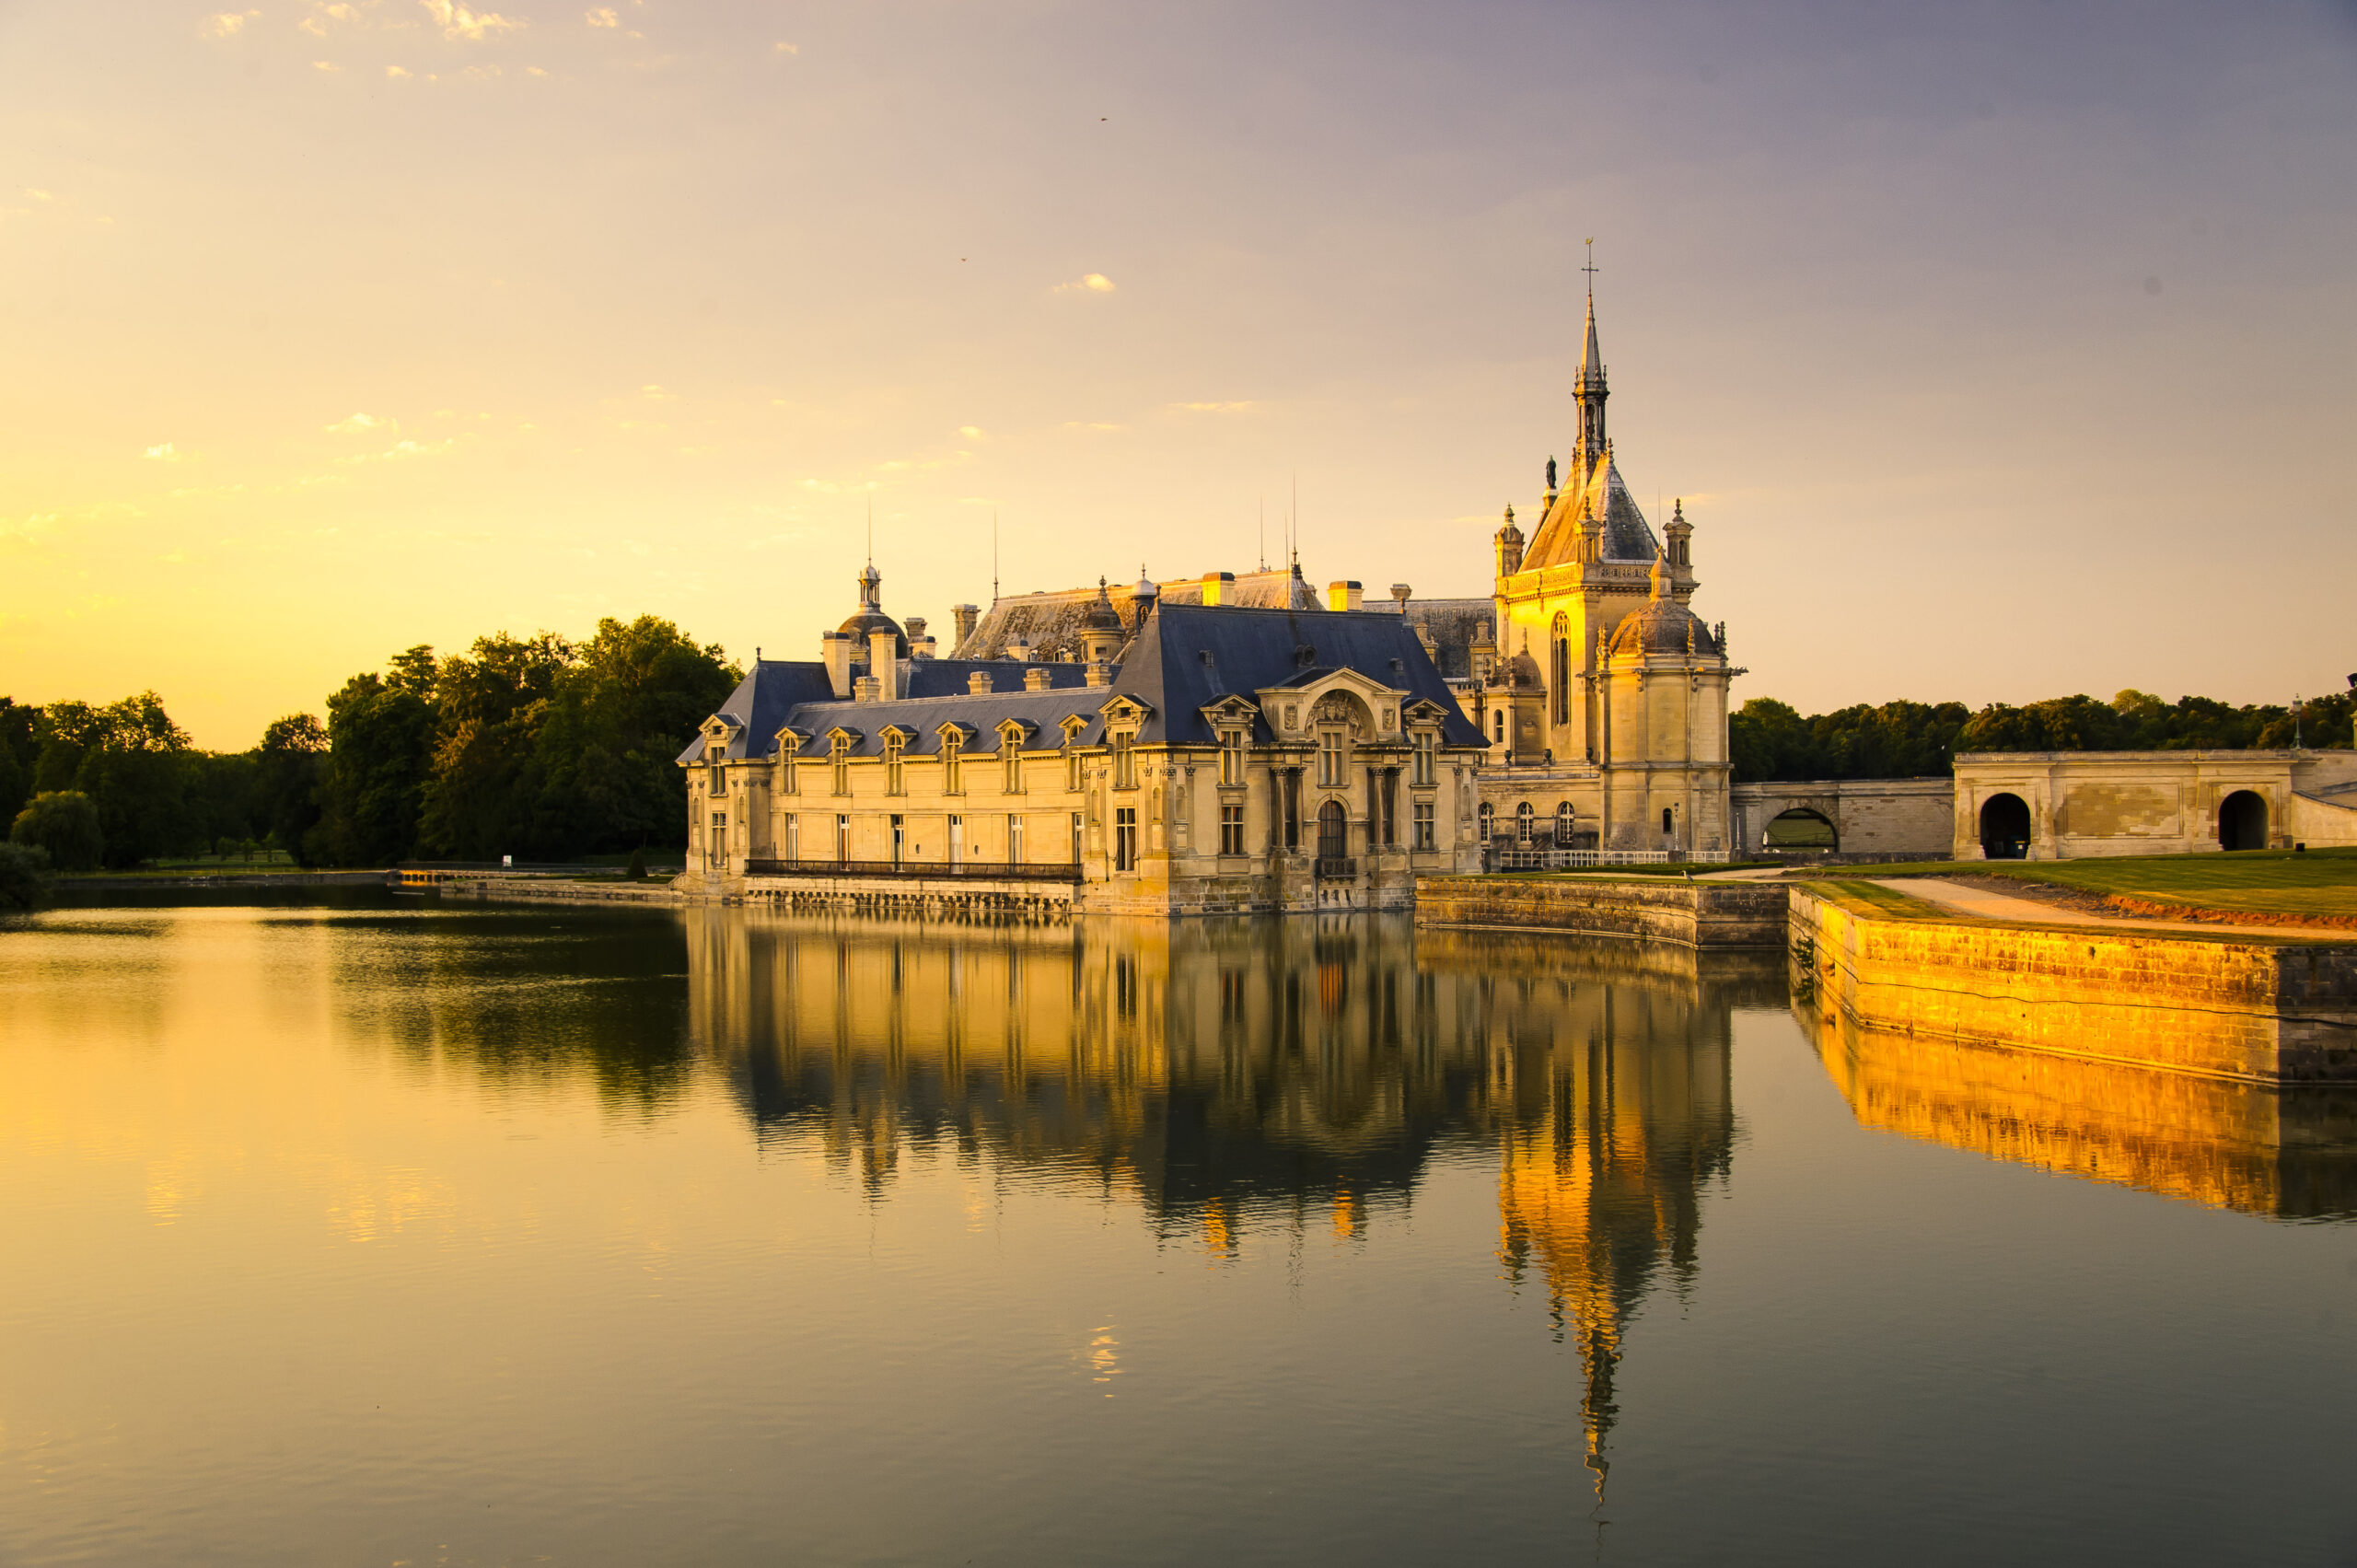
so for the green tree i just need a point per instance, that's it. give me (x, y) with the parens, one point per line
(63, 824)
(380, 756)
(619, 716)
(290, 769)
(488, 767)
(19, 755)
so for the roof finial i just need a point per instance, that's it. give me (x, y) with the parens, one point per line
(1590, 271)
(871, 530)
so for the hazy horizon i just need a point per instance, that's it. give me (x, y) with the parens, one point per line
(1997, 350)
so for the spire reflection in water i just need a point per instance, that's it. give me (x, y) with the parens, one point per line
(1229, 1077)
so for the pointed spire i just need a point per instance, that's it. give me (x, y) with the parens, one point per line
(1661, 576)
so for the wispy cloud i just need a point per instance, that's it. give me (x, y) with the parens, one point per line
(970, 431)
(456, 21)
(329, 67)
(784, 48)
(164, 453)
(400, 450)
(358, 423)
(654, 394)
(1088, 282)
(1084, 424)
(229, 24)
(1245, 406)
(396, 73)
(603, 17)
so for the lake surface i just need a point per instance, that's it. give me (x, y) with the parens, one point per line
(355, 1231)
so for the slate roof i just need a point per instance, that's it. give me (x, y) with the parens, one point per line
(1166, 669)
(1627, 535)
(947, 677)
(1456, 624)
(1253, 649)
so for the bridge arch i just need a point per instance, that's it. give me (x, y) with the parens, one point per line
(2005, 827)
(1800, 827)
(2242, 820)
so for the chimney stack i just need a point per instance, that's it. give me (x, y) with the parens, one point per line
(1218, 587)
(962, 617)
(1035, 679)
(1101, 673)
(1340, 594)
(883, 664)
(866, 689)
(979, 683)
(835, 648)
(1400, 592)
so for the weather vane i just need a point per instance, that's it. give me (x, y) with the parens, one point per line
(1590, 269)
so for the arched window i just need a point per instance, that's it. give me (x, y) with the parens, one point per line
(1562, 824)
(1668, 822)
(895, 774)
(1333, 832)
(1010, 757)
(839, 764)
(1559, 670)
(1484, 816)
(953, 763)
(1522, 820)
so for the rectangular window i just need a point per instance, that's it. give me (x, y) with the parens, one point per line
(1427, 836)
(899, 839)
(1486, 816)
(715, 844)
(953, 764)
(786, 783)
(842, 840)
(1011, 760)
(1231, 829)
(1390, 794)
(1501, 724)
(895, 771)
(1231, 757)
(1329, 759)
(1072, 766)
(717, 779)
(1125, 766)
(839, 764)
(1423, 758)
(1014, 840)
(1125, 838)
(1293, 809)
(1076, 839)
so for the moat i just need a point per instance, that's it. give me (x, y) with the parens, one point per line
(352, 1227)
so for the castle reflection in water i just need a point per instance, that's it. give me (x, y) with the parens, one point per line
(1235, 1075)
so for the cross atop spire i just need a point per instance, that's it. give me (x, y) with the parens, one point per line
(1587, 387)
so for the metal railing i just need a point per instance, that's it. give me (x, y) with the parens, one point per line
(912, 871)
(1535, 857)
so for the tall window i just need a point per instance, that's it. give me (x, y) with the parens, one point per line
(1521, 815)
(1423, 757)
(1231, 755)
(793, 837)
(1426, 834)
(1231, 829)
(786, 783)
(717, 779)
(842, 840)
(1015, 839)
(895, 771)
(1076, 839)
(715, 844)
(1668, 822)
(1072, 761)
(1485, 816)
(1329, 758)
(1500, 715)
(1562, 824)
(1125, 838)
(1010, 761)
(953, 763)
(1560, 672)
(838, 765)
(1388, 794)
(1125, 762)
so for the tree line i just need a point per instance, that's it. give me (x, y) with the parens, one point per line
(1769, 739)
(538, 747)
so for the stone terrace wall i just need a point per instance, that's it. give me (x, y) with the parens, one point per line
(1655, 909)
(2268, 1011)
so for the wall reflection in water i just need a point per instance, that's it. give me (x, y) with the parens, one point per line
(1231, 1076)
(2286, 1154)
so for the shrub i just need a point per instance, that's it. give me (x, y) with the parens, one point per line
(24, 876)
(636, 869)
(64, 823)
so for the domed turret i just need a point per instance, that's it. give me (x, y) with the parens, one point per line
(870, 618)
(1144, 594)
(1664, 626)
(1100, 628)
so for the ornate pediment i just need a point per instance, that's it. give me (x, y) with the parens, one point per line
(1125, 709)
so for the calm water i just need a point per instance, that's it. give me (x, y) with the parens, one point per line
(373, 1234)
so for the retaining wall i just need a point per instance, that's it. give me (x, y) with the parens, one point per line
(1652, 908)
(2267, 1011)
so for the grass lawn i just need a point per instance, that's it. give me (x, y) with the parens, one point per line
(2259, 881)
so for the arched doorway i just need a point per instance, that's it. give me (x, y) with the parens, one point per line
(1333, 832)
(1800, 828)
(2004, 827)
(2242, 820)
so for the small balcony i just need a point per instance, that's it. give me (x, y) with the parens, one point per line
(1337, 868)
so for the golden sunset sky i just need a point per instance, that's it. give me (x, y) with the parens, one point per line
(1999, 351)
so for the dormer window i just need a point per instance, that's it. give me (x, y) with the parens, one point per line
(953, 763)
(1010, 755)
(838, 764)
(895, 771)
(787, 746)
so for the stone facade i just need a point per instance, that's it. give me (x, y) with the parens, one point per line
(1196, 758)
(1865, 816)
(2064, 804)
